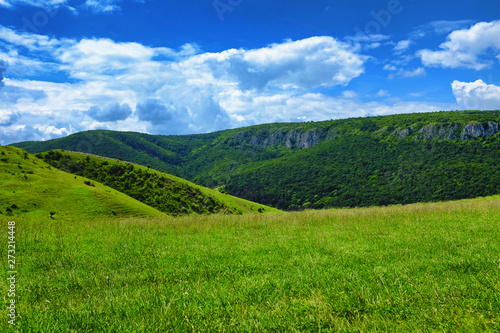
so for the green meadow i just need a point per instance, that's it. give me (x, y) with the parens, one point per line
(431, 267)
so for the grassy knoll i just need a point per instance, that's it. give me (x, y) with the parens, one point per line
(415, 268)
(29, 187)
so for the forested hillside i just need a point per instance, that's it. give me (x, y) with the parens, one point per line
(164, 192)
(351, 162)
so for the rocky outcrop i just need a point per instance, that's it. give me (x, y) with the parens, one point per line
(303, 140)
(476, 130)
(282, 137)
(402, 134)
(300, 138)
(438, 132)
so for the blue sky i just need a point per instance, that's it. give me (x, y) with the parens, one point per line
(196, 66)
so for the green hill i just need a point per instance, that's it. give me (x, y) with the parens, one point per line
(32, 188)
(166, 193)
(383, 160)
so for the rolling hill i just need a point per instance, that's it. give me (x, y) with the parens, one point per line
(164, 192)
(32, 188)
(398, 159)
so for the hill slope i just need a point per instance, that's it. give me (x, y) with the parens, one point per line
(351, 162)
(167, 193)
(32, 188)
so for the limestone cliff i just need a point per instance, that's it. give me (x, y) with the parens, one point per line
(297, 137)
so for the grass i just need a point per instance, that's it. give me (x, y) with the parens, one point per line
(417, 268)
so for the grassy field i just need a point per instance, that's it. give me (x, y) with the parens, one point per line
(416, 268)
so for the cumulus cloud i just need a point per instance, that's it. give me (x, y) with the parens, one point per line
(92, 57)
(477, 95)
(110, 112)
(465, 48)
(307, 63)
(154, 111)
(7, 118)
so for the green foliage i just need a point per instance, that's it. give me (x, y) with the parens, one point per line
(362, 171)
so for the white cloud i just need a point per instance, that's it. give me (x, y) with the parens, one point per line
(383, 93)
(5, 3)
(367, 42)
(477, 95)
(439, 27)
(314, 106)
(363, 38)
(349, 94)
(402, 46)
(88, 58)
(33, 3)
(32, 42)
(465, 47)
(306, 63)
(404, 73)
(416, 72)
(101, 6)
(3, 67)
(389, 67)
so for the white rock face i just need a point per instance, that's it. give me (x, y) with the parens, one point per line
(476, 130)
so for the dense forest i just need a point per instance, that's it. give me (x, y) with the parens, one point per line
(383, 160)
